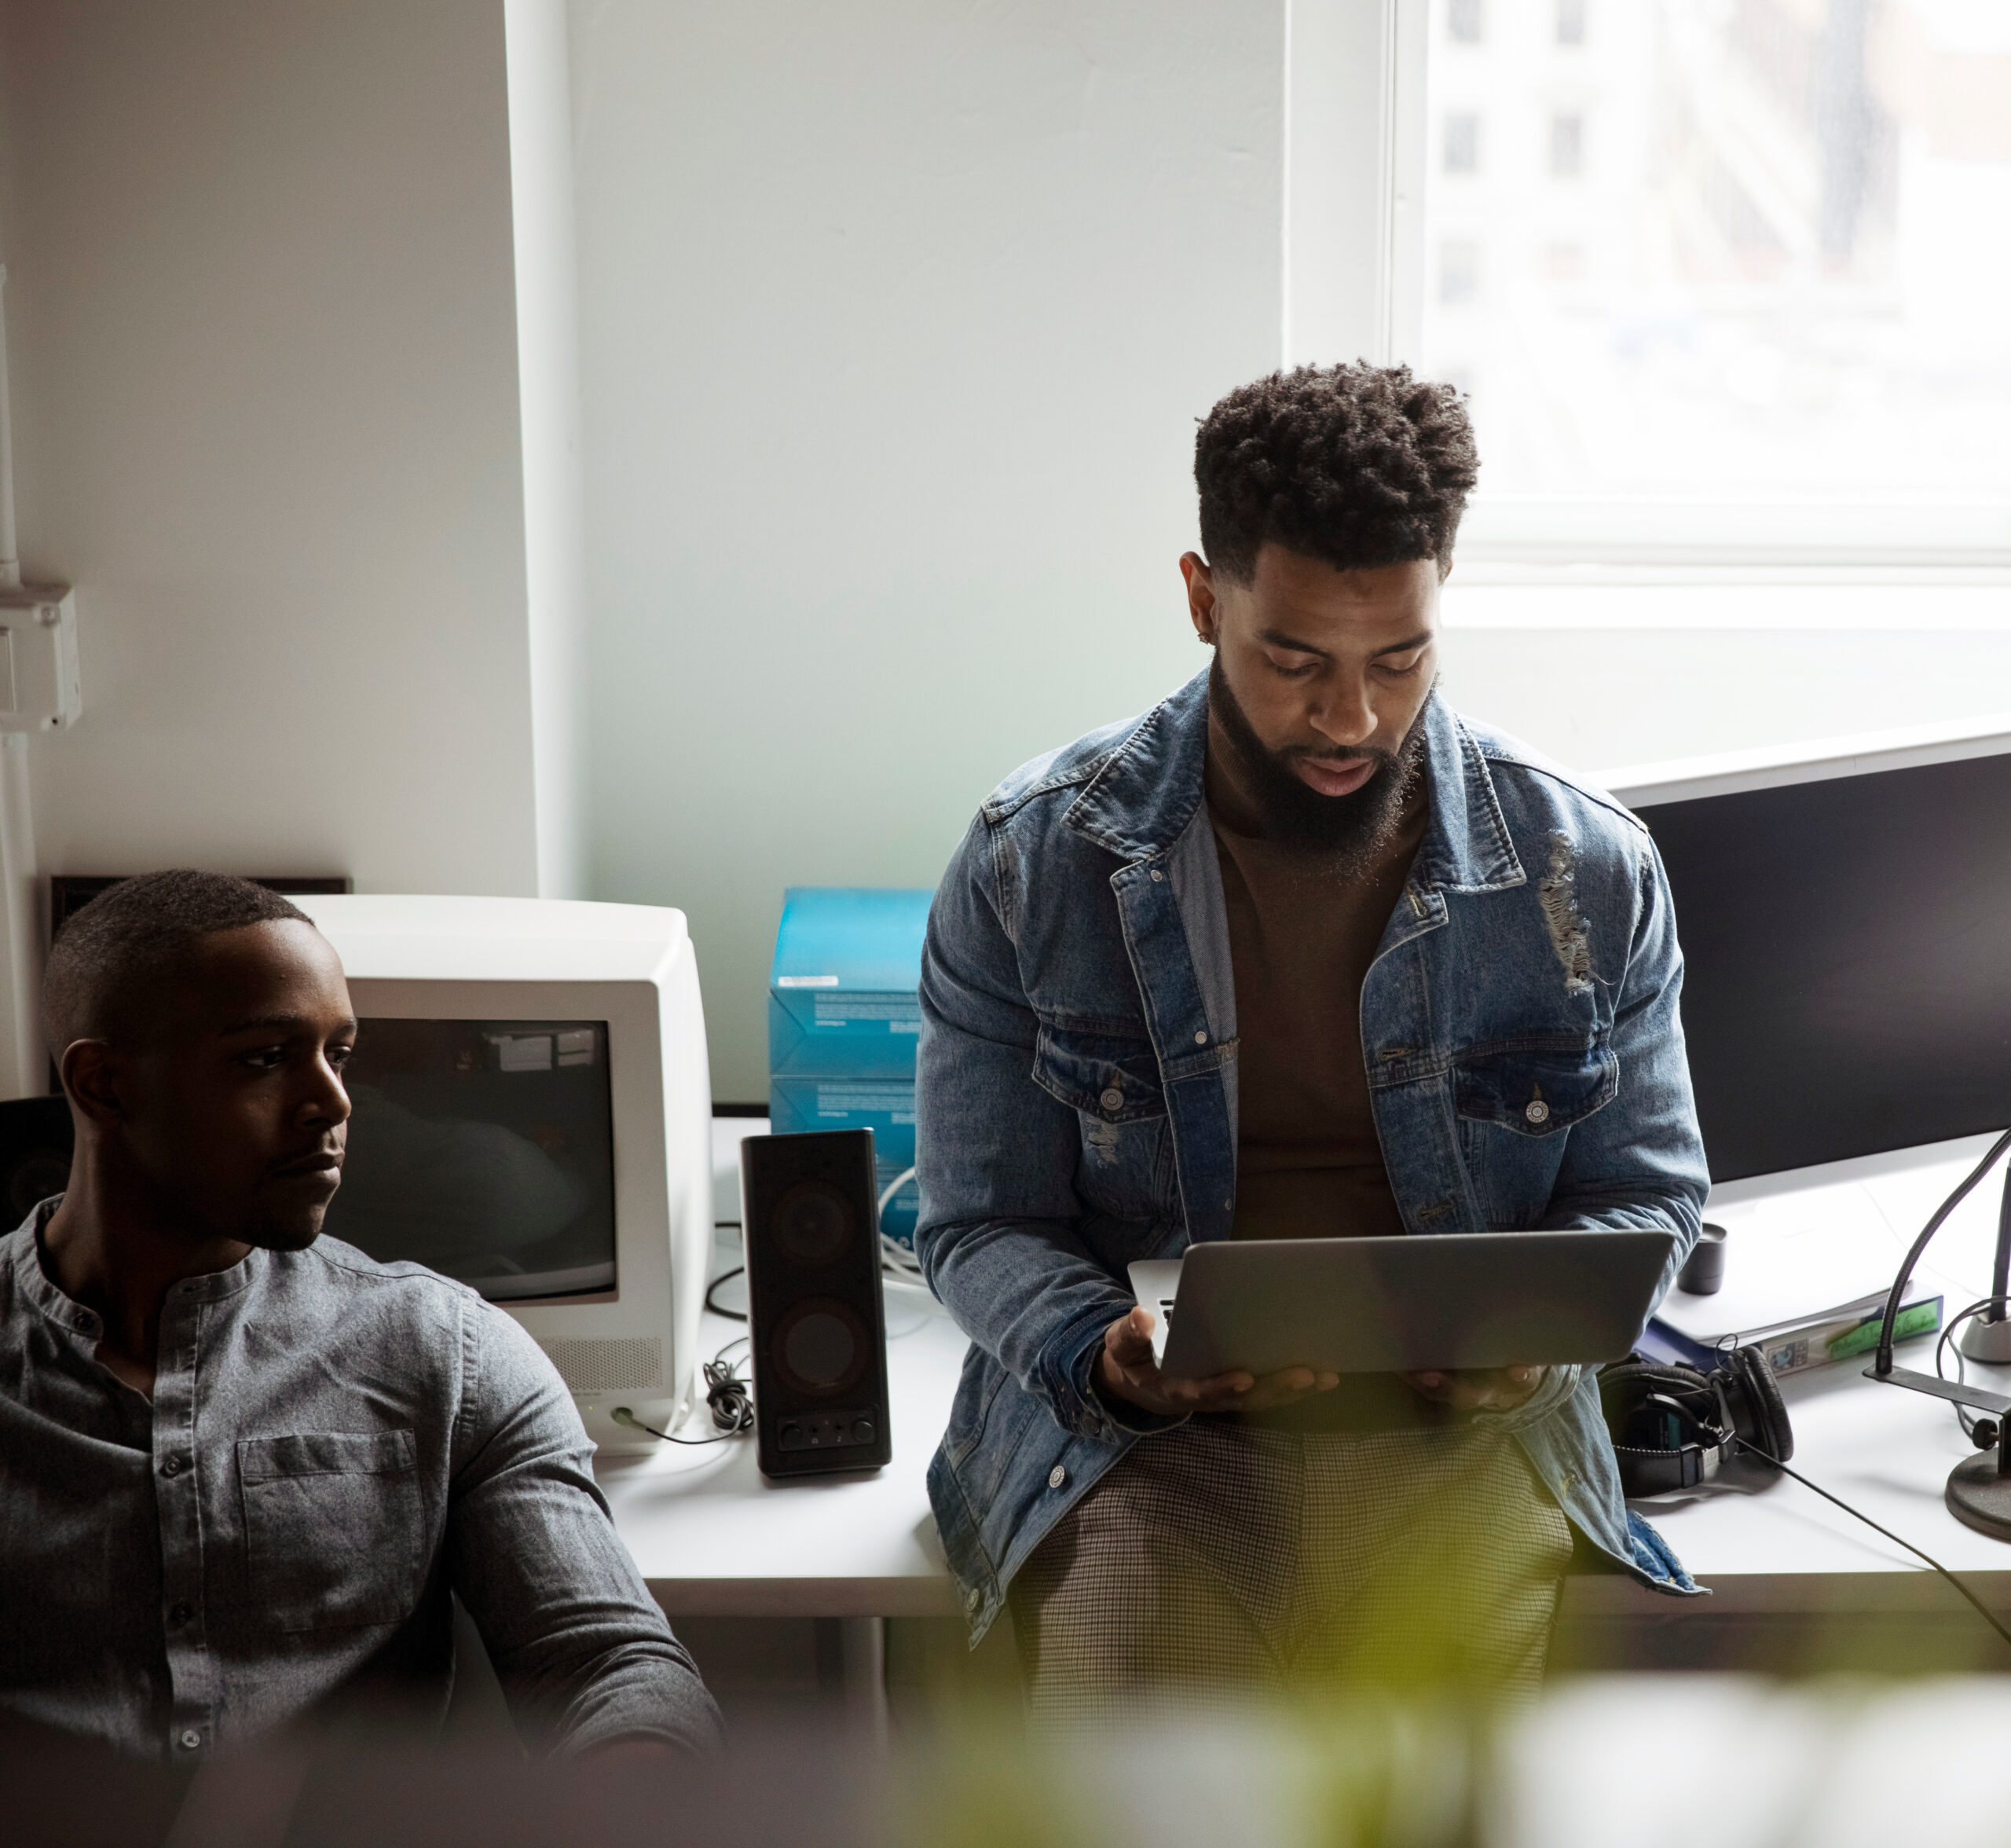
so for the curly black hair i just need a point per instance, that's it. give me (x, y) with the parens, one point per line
(1358, 466)
(127, 940)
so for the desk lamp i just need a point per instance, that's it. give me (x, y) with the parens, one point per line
(1978, 1492)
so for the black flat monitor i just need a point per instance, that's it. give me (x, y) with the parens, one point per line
(1847, 943)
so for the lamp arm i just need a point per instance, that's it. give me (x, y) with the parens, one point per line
(1883, 1363)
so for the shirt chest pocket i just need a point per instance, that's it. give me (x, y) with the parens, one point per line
(1112, 1084)
(334, 1528)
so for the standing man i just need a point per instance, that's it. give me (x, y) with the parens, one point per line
(243, 1468)
(1300, 953)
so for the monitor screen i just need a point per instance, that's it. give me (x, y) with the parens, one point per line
(484, 1148)
(1847, 946)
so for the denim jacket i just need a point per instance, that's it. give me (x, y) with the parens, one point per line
(1076, 1094)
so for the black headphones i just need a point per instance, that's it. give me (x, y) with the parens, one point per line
(1674, 1426)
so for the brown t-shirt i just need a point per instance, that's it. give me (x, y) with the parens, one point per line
(1301, 935)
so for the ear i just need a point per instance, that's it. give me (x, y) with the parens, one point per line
(1200, 595)
(93, 1079)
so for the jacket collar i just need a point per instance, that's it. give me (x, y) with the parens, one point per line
(1149, 789)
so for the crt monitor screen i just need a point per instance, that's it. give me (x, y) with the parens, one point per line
(1847, 948)
(484, 1149)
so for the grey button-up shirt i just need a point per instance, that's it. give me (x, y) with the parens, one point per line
(332, 1447)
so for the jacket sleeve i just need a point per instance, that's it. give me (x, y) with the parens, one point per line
(582, 1652)
(1642, 1164)
(995, 1156)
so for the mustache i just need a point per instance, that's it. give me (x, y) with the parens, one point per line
(1340, 754)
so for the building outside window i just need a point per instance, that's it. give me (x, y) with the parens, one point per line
(1462, 143)
(1777, 292)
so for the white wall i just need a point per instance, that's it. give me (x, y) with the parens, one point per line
(266, 381)
(895, 321)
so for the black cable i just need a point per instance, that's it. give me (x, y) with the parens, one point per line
(729, 1395)
(1883, 1361)
(1747, 1444)
(1978, 1307)
(725, 1277)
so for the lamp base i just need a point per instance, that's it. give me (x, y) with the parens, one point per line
(1979, 1497)
(1989, 1342)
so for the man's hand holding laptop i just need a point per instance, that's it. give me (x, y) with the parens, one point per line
(1127, 1370)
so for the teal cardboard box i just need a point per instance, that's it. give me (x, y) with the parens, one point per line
(886, 1106)
(841, 992)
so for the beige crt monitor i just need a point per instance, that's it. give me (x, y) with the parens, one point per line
(532, 1114)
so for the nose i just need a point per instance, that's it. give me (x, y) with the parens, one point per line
(328, 1101)
(1347, 716)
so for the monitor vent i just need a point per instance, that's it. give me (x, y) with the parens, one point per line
(630, 1366)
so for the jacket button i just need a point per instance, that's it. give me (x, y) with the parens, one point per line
(974, 1600)
(1057, 1477)
(181, 1614)
(1112, 1098)
(190, 1739)
(1200, 1039)
(1537, 1111)
(1157, 875)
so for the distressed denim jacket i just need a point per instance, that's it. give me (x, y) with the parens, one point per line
(1076, 1101)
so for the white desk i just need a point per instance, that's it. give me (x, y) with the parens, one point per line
(713, 1538)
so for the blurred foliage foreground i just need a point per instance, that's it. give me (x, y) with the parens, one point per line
(1635, 1761)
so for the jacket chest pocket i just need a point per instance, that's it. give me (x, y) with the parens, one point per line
(1516, 1106)
(1127, 1166)
(334, 1528)
(1534, 1091)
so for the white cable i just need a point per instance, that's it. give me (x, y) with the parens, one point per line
(892, 1187)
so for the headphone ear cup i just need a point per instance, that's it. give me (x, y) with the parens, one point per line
(1765, 1419)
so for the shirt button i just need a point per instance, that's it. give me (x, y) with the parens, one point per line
(181, 1614)
(1537, 1111)
(1057, 1477)
(190, 1739)
(172, 1467)
(1112, 1099)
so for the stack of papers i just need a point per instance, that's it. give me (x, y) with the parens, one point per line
(1807, 1274)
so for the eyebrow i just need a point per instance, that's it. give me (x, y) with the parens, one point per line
(1278, 639)
(283, 1023)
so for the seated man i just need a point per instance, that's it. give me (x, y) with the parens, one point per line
(241, 1472)
(1300, 953)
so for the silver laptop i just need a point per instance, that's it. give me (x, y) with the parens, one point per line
(1404, 1304)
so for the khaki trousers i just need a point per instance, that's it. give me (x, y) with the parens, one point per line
(1218, 1562)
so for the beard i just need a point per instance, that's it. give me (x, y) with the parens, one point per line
(1350, 831)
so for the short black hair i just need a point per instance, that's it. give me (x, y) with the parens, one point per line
(1358, 466)
(133, 930)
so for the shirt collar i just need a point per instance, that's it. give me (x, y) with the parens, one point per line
(37, 1286)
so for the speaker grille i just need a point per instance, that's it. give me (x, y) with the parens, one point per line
(627, 1365)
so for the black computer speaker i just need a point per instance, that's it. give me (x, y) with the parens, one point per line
(37, 1140)
(814, 1317)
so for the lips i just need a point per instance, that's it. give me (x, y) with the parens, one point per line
(323, 1161)
(1332, 776)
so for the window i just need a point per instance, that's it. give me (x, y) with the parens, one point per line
(1462, 142)
(1769, 312)
(1459, 273)
(1462, 21)
(1567, 146)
